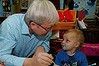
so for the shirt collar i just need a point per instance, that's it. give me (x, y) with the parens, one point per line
(25, 29)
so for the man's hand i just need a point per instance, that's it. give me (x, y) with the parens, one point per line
(44, 59)
(2, 64)
(40, 58)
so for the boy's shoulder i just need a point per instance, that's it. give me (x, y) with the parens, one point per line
(61, 52)
(79, 53)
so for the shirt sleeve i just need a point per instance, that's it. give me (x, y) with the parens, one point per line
(7, 43)
(46, 43)
(84, 61)
(58, 59)
(46, 46)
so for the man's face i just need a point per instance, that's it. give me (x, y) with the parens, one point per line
(41, 29)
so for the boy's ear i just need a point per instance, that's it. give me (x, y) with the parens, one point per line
(32, 25)
(77, 44)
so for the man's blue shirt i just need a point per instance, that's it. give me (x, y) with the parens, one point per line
(16, 43)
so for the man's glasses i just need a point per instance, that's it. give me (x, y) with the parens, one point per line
(46, 29)
(40, 26)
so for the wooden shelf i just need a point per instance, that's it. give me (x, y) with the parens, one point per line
(65, 26)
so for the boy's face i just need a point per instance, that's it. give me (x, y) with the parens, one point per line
(70, 41)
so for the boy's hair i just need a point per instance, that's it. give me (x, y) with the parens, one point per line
(79, 35)
(41, 11)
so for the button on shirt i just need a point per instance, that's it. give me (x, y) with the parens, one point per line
(16, 43)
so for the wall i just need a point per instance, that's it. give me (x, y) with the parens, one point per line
(1, 8)
(89, 6)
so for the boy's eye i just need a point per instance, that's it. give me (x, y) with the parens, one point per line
(67, 40)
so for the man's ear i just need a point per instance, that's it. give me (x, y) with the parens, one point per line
(32, 25)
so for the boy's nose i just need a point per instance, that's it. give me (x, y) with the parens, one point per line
(62, 43)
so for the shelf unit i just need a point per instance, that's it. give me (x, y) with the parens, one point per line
(67, 25)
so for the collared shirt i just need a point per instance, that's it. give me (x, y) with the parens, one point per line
(16, 43)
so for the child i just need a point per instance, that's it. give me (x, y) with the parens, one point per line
(73, 40)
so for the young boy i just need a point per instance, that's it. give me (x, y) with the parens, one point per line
(73, 40)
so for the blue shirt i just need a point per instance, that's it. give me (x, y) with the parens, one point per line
(16, 43)
(78, 59)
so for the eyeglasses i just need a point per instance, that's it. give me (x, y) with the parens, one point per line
(42, 27)
(46, 29)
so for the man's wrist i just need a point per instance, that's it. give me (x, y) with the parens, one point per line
(39, 49)
(28, 62)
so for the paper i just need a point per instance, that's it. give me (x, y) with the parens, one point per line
(82, 24)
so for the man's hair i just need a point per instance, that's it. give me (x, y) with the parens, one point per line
(79, 35)
(41, 11)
